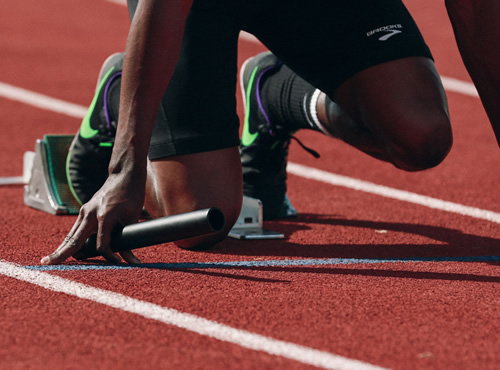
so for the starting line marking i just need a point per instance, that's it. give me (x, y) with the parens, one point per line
(269, 263)
(183, 320)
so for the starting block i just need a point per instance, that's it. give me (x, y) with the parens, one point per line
(47, 189)
(250, 222)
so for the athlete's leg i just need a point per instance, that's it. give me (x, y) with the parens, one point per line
(195, 181)
(477, 32)
(395, 111)
(385, 96)
(194, 157)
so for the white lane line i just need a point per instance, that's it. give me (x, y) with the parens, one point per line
(119, 2)
(183, 320)
(458, 86)
(74, 110)
(387, 192)
(41, 101)
(13, 180)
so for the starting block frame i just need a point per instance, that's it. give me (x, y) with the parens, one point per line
(250, 222)
(47, 189)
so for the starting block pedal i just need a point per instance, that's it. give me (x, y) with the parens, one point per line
(250, 222)
(48, 190)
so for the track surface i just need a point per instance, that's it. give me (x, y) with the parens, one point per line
(362, 280)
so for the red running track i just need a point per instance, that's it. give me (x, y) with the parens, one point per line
(362, 279)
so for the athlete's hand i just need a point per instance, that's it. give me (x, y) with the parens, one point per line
(118, 202)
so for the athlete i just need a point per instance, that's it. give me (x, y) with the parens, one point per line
(477, 33)
(358, 71)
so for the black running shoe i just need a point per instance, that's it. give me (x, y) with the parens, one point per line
(90, 151)
(264, 145)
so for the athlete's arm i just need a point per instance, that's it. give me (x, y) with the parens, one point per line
(477, 32)
(151, 54)
(153, 47)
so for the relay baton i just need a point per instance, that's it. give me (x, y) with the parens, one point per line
(158, 231)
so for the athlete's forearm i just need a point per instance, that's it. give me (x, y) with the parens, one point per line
(151, 54)
(477, 32)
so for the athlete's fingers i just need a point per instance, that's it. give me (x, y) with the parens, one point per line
(71, 244)
(130, 258)
(70, 235)
(103, 241)
(111, 257)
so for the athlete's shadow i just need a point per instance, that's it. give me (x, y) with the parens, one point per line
(381, 243)
(447, 243)
(444, 242)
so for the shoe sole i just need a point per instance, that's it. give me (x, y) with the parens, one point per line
(242, 83)
(105, 67)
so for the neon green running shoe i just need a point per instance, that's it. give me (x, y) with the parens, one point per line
(90, 152)
(264, 145)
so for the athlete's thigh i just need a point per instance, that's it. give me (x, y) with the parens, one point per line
(194, 147)
(198, 110)
(370, 58)
(327, 42)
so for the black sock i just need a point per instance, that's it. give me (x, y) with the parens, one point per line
(287, 100)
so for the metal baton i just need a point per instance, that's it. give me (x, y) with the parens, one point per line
(160, 230)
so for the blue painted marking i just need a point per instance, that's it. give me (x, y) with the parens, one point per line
(270, 263)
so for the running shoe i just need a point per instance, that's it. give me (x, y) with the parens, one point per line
(264, 145)
(90, 152)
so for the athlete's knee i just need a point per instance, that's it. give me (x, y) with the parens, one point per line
(423, 145)
(197, 181)
(228, 203)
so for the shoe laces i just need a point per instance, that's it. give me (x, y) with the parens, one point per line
(311, 151)
(275, 131)
(280, 133)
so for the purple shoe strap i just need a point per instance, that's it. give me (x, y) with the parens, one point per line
(259, 99)
(106, 108)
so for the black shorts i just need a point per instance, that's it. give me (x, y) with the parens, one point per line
(324, 41)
